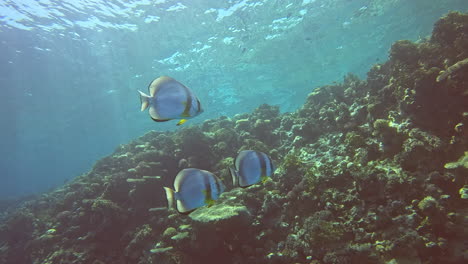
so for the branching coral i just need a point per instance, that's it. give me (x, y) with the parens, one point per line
(452, 69)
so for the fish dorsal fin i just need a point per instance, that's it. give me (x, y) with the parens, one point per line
(180, 178)
(156, 83)
(240, 157)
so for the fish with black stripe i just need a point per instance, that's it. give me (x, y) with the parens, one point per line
(251, 167)
(193, 188)
(169, 99)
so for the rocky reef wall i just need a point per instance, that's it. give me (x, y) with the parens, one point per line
(369, 171)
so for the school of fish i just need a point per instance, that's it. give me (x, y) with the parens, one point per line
(169, 99)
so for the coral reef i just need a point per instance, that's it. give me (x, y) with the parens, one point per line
(369, 171)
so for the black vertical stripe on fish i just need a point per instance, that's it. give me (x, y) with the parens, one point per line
(218, 187)
(198, 106)
(207, 184)
(235, 163)
(262, 163)
(270, 165)
(188, 105)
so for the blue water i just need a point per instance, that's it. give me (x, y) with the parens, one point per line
(70, 70)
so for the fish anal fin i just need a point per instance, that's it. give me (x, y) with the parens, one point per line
(160, 120)
(186, 212)
(182, 209)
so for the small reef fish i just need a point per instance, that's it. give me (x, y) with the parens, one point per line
(251, 167)
(169, 99)
(193, 188)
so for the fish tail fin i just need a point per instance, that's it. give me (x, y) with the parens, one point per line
(234, 176)
(144, 99)
(170, 197)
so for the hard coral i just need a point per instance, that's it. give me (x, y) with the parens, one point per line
(450, 28)
(404, 52)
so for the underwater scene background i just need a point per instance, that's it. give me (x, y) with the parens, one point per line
(362, 107)
(70, 70)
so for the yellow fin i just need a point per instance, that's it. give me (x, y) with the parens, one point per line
(209, 202)
(182, 121)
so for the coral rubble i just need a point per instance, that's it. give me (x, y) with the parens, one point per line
(369, 171)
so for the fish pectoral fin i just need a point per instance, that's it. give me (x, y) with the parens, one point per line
(181, 122)
(265, 178)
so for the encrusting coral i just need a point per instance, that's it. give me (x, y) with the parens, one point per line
(369, 171)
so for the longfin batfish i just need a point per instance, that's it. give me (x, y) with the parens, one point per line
(251, 167)
(169, 99)
(193, 188)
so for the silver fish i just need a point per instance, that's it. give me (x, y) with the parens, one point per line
(169, 99)
(193, 188)
(251, 167)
